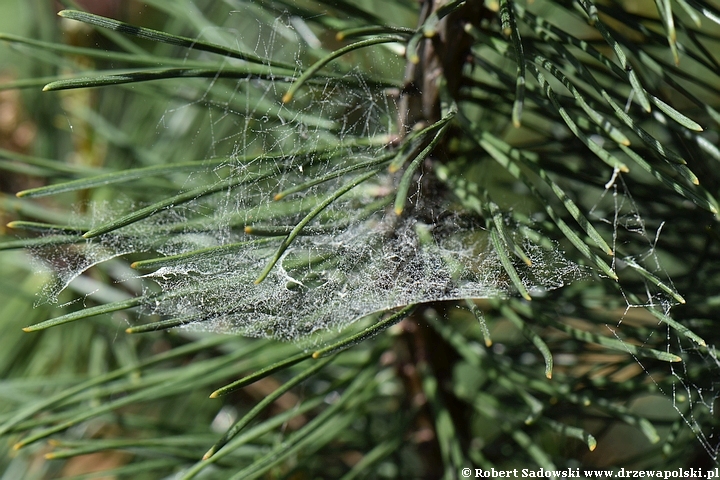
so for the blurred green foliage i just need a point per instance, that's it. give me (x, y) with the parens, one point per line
(557, 128)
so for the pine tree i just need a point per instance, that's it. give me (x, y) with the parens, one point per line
(390, 239)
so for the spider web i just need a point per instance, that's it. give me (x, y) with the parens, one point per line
(693, 402)
(356, 258)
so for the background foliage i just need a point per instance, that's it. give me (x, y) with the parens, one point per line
(551, 134)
